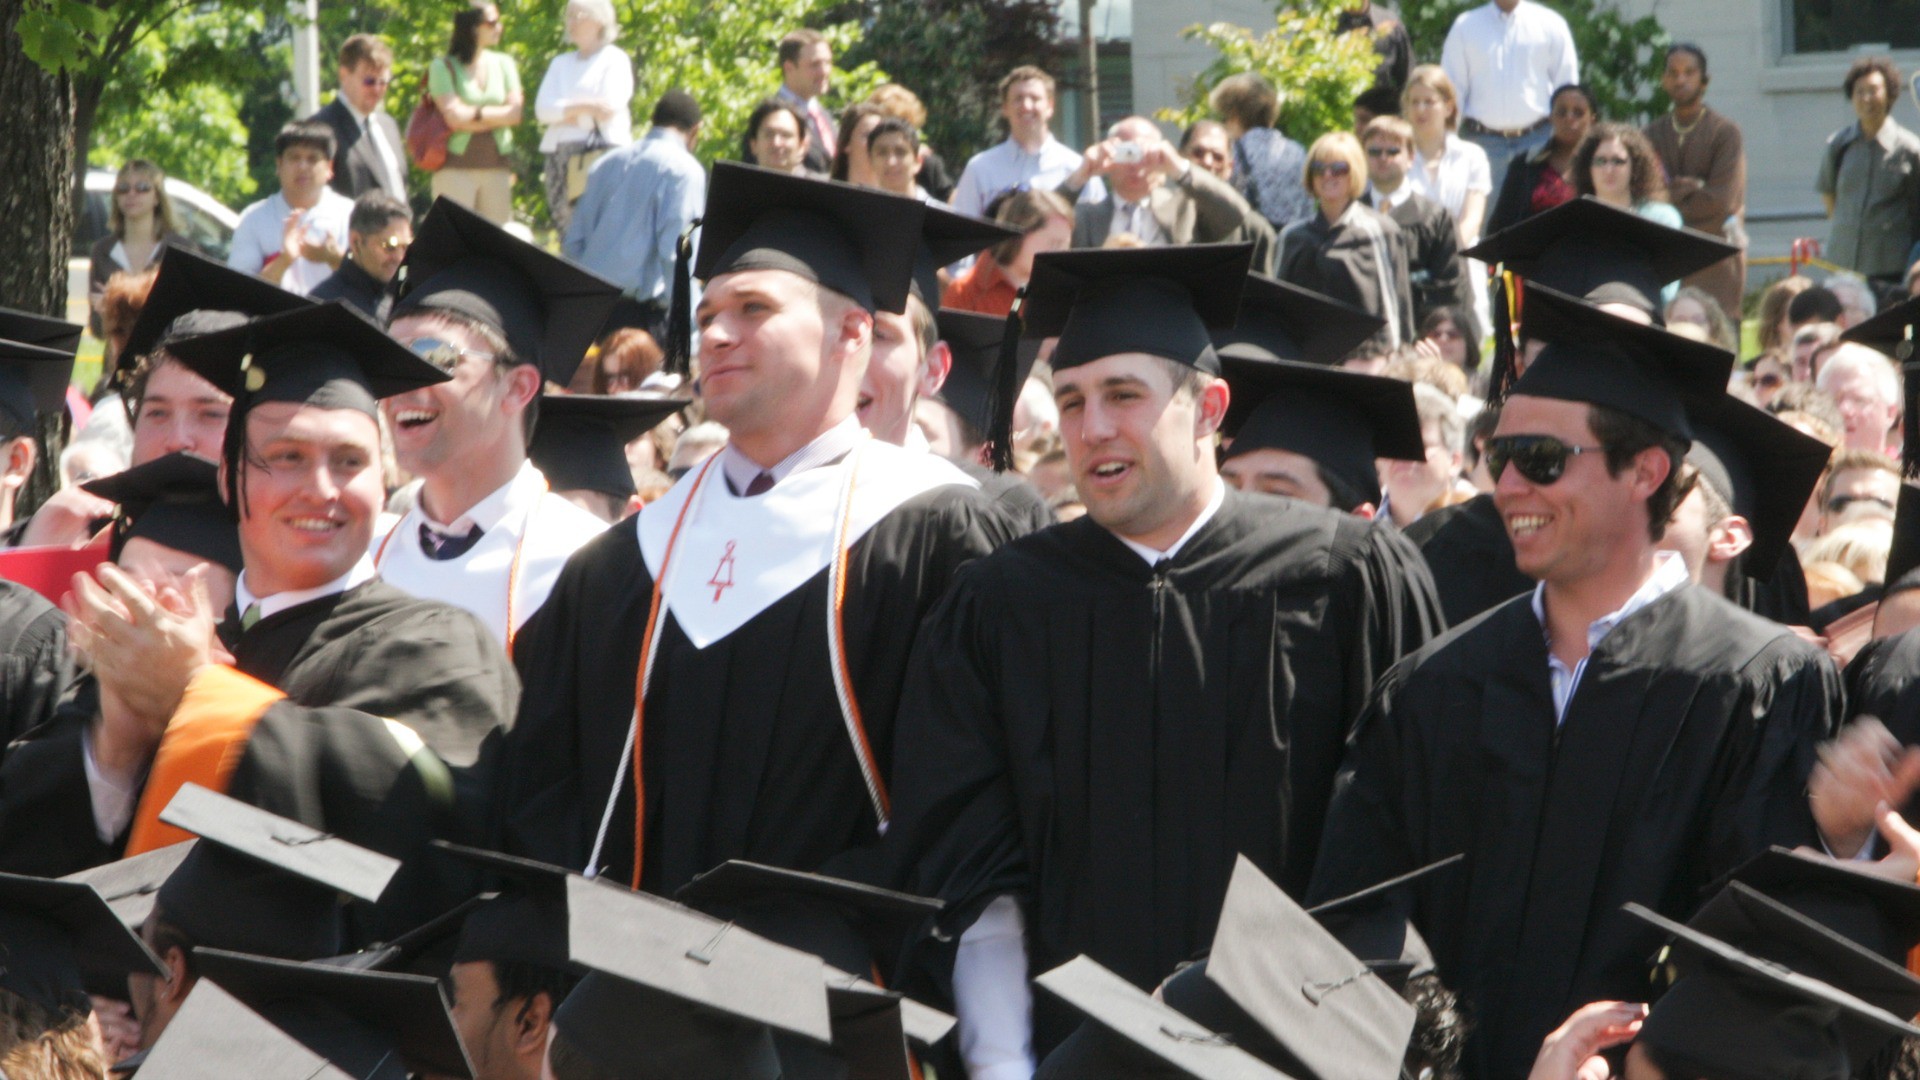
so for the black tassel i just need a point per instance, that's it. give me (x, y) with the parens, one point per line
(679, 343)
(1006, 386)
(1903, 554)
(1506, 358)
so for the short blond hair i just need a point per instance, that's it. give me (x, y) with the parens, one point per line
(1434, 78)
(900, 103)
(1335, 146)
(1388, 127)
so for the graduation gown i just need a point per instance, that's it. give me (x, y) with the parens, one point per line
(1685, 749)
(1360, 259)
(35, 670)
(1884, 681)
(1100, 737)
(1016, 499)
(1467, 548)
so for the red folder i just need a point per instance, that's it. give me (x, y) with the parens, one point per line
(49, 570)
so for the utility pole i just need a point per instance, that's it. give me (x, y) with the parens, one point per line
(1090, 61)
(306, 56)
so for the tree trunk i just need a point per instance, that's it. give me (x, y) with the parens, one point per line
(36, 162)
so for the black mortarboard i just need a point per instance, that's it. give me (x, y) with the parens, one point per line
(847, 924)
(63, 942)
(638, 1033)
(1281, 321)
(581, 441)
(328, 355)
(1341, 419)
(192, 295)
(1763, 467)
(947, 237)
(924, 1024)
(44, 331)
(1598, 358)
(526, 921)
(1891, 331)
(869, 1032)
(173, 501)
(549, 309)
(426, 949)
(262, 883)
(214, 1034)
(129, 886)
(859, 242)
(385, 1014)
(33, 383)
(974, 339)
(1583, 244)
(1374, 925)
(1137, 1036)
(1877, 913)
(1162, 301)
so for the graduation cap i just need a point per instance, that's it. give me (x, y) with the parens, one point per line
(1163, 301)
(526, 921)
(858, 242)
(946, 237)
(33, 383)
(262, 883)
(1890, 331)
(1877, 913)
(1598, 358)
(1737, 1010)
(173, 501)
(1585, 243)
(869, 1031)
(1763, 467)
(194, 295)
(360, 1020)
(1279, 320)
(923, 1024)
(44, 331)
(129, 886)
(63, 942)
(581, 440)
(972, 383)
(845, 923)
(214, 1034)
(425, 949)
(549, 309)
(636, 1033)
(1373, 924)
(1341, 419)
(1137, 1036)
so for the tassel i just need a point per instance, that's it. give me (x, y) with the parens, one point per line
(1506, 352)
(679, 343)
(1006, 386)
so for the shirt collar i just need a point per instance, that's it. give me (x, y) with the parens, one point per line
(358, 116)
(1669, 573)
(243, 597)
(516, 495)
(1389, 201)
(830, 446)
(1153, 556)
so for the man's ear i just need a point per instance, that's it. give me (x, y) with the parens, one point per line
(1212, 408)
(935, 369)
(531, 1024)
(853, 336)
(22, 452)
(178, 983)
(1733, 535)
(1650, 469)
(523, 384)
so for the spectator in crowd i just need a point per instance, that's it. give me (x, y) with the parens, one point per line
(1857, 478)
(1766, 376)
(1348, 250)
(1157, 196)
(640, 199)
(1205, 143)
(1412, 488)
(1617, 166)
(298, 235)
(1266, 164)
(1446, 168)
(1775, 327)
(119, 307)
(903, 104)
(378, 234)
(1866, 389)
(1870, 178)
(140, 225)
(776, 137)
(585, 101)
(1434, 267)
(850, 162)
(1046, 223)
(1390, 40)
(627, 358)
(367, 148)
(477, 89)
(1815, 304)
(1857, 303)
(1706, 167)
(1505, 58)
(1449, 330)
(1029, 158)
(1694, 306)
(1542, 179)
(1809, 342)
(806, 71)
(893, 153)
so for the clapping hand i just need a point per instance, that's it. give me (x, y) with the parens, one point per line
(1859, 772)
(1572, 1052)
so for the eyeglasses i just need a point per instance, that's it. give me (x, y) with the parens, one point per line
(1542, 459)
(140, 187)
(1839, 503)
(375, 80)
(444, 355)
(1329, 168)
(392, 243)
(1383, 151)
(1610, 162)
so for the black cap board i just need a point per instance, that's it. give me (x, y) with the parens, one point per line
(638, 1033)
(977, 390)
(1599, 358)
(1137, 1036)
(192, 295)
(44, 331)
(1763, 467)
(328, 355)
(214, 1035)
(581, 440)
(1162, 301)
(526, 921)
(33, 383)
(130, 885)
(424, 950)
(1341, 419)
(1891, 331)
(388, 1013)
(869, 1032)
(1373, 924)
(859, 242)
(924, 1024)
(845, 923)
(173, 501)
(1877, 913)
(947, 237)
(549, 309)
(1281, 321)
(63, 942)
(1585, 243)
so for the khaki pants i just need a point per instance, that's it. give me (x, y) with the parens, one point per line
(487, 192)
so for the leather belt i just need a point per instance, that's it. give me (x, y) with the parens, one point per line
(1475, 127)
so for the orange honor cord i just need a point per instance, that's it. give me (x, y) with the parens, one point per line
(513, 568)
(842, 674)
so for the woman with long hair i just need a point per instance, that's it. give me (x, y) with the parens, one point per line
(140, 223)
(1446, 168)
(850, 161)
(1045, 222)
(477, 90)
(1616, 165)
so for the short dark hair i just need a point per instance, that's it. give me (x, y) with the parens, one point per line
(361, 48)
(1585, 91)
(1197, 129)
(1440, 1028)
(375, 211)
(1688, 48)
(891, 125)
(519, 980)
(676, 109)
(767, 108)
(1623, 438)
(1818, 304)
(1868, 65)
(1024, 73)
(798, 42)
(312, 133)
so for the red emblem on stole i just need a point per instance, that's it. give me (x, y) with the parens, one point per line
(722, 578)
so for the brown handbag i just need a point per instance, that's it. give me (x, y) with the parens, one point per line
(427, 130)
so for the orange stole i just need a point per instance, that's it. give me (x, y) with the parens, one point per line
(202, 745)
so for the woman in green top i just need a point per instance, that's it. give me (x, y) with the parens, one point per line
(478, 90)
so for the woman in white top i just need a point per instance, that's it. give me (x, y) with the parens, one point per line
(1446, 168)
(584, 90)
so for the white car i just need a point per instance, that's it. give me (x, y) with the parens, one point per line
(201, 217)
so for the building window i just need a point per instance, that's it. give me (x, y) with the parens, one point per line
(1828, 26)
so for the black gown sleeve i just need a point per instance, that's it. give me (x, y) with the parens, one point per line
(46, 808)
(35, 670)
(1793, 703)
(1369, 836)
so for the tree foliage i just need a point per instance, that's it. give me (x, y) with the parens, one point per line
(1317, 69)
(1620, 59)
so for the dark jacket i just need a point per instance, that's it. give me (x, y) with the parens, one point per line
(356, 164)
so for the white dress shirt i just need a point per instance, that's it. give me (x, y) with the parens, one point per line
(1136, 220)
(830, 446)
(1461, 169)
(1008, 165)
(1506, 65)
(1669, 573)
(606, 75)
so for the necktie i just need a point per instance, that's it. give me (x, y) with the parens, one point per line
(760, 485)
(442, 547)
(823, 127)
(249, 617)
(396, 180)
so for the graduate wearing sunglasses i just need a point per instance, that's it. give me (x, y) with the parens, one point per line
(1348, 250)
(1619, 735)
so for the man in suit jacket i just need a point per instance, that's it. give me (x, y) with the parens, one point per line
(1157, 197)
(1434, 267)
(368, 152)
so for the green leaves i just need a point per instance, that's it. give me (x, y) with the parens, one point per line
(1317, 69)
(62, 35)
(1620, 59)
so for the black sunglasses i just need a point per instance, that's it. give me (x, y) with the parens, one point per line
(1542, 459)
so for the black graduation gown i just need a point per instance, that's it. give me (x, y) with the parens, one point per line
(745, 753)
(46, 815)
(1016, 499)
(1467, 548)
(1685, 749)
(35, 670)
(1101, 738)
(1884, 681)
(1341, 259)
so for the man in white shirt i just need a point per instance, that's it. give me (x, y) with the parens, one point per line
(1030, 158)
(485, 532)
(1505, 59)
(297, 236)
(806, 70)
(367, 147)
